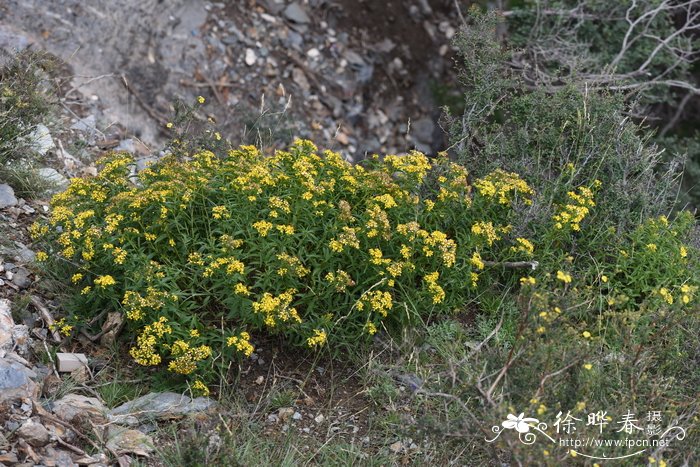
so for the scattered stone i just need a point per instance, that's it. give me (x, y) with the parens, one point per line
(163, 405)
(259, 380)
(7, 324)
(121, 440)
(272, 418)
(299, 77)
(68, 362)
(285, 413)
(20, 336)
(34, 433)
(7, 196)
(86, 124)
(250, 57)
(9, 459)
(23, 254)
(111, 327)
(342, 138)
(52, 176)
(41, 140)
(319, 418)
(294, 12)
(21, 278)
(313, 53)
(297, 416)
(73, 405)
(16, 381)
(396, 447)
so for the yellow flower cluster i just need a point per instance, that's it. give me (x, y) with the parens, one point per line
(105, 281)
(504, 186)
(242, 343)
(291, 264)
(340, 280)
(572, 214)
(348, 237)
(145, 351)
(523, 245)
(186, 357)
(376, 300)
(318, 339)
(487, 231)
(233, 266)
(277, 309)
(435, 290)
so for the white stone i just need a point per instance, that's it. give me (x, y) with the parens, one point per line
(68, 362)
(250, 57)
(42, 142)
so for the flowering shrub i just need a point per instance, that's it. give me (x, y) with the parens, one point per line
(203, 254)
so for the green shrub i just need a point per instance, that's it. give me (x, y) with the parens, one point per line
(202, 253)
(25, 101)
(556, 139)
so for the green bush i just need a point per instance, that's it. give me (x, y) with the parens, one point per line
(25, 101)
(202, 253)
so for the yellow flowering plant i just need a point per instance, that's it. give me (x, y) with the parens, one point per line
(202, 254)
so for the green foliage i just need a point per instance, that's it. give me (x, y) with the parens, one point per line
(558, 139)
(24, 102)
(200, 254)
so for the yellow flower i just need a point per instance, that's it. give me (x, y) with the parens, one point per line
(318, 339)
(683, 252)
(564, 277)
(263, 227)
(666, 295)
(573, 453)
(586, 334)
(169, 125)
(200, 388)
(105, 281)
(604, 278)
(241, 289)
(528, 280)
(86, 290)
(587, 366)
(41, 256)
(651, 246)
(76, 278)
(200, 99)
(370, 328)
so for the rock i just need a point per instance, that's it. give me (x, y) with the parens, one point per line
(21, 278)
(111, 327)
(69, 362)
(73, 405)
(313, 53)
(41, 139)
(20, 336)
(16, 381)
(11, 40)
(250, 57)
(121, 440)
(422, 130)
(52, 176)
(7, 196)
(9, 459)
(163, 405)
(34, 433)
(297, 416)
(7, 324)
(285, 413)
(319, 418)
(23, 254)
(299, 77)
(294, 12)
(86, 124)
(396, 447)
